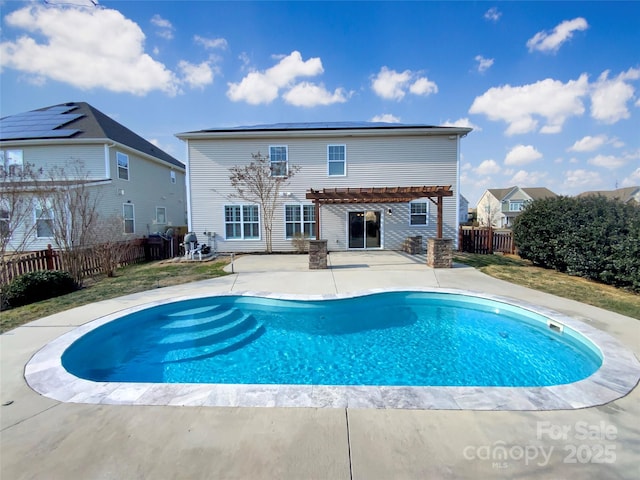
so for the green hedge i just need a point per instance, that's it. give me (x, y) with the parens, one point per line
(592, 237)
(35, 286)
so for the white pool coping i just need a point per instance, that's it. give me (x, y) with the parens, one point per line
(618, 375)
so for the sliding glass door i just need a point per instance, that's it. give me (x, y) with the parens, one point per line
(364, 229)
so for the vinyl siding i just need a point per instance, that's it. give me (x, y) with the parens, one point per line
(376, 161)
(60, 156)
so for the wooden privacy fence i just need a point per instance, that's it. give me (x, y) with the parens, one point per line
(485, 240)
(136, 251)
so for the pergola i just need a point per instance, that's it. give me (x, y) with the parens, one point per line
(379, 195)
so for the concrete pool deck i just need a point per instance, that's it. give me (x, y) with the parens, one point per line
(45, 438)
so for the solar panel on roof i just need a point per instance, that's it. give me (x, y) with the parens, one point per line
(39, 124)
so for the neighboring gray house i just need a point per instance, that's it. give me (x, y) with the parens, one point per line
(354, 181)
(625, 195)
(134, 179)
(498, 207)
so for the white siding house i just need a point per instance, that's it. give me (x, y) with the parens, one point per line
(132, 178)
(330, 156)
(498, 207)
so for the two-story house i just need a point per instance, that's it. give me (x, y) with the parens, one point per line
(498, 207)
(359, 185)
(132, 178)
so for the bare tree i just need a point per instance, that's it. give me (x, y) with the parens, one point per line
(71, 202)
(17, 184)
(256, 183)
(113, 244)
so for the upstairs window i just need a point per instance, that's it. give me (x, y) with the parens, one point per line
(123, 166)
(419, 213)
(44, 219)
(173, 176)
(516, 205)
(11, 162)
(129, 218)
(337, 160)
(278, 158)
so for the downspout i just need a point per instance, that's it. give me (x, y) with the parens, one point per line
(188, 186)
(457, 225)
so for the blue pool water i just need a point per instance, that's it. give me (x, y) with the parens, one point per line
(394, 338)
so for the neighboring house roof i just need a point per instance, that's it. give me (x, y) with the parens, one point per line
(534, 192)
(622, 194)
(76, 120)
(328, 126)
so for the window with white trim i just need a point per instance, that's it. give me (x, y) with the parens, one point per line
(241, 222)
(128, 215)
(278, 158)
(172, 173)
(516, 205)
(336, 160)
(44, 219)
(161, 215)
(300, 219)
(11, 162)
(419, 213)
(123, 165)
(5, 226)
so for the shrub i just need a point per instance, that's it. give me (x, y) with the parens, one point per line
(591, 237)
(35, 286)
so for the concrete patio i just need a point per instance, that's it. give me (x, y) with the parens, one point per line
(45, 438)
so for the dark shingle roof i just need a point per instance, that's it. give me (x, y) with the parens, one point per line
(79, 120)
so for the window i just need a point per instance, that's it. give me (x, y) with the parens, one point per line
(129, 218)
(161, 215)
(5, 227)
(516, 205)
(11, 162)
(241, 222)
(278, 156)
(123, 166)
(419, 213)
(336, 160)
(44, 220)
(300, 219)
(173, 176)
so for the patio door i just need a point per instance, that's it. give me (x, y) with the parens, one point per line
(364, 229)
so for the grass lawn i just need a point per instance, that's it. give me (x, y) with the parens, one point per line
(515, 270)
(131, 279)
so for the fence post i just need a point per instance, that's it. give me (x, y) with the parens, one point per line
(48, 255)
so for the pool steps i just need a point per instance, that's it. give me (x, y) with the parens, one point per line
(207, 332)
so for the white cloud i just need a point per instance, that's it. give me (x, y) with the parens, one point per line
(487, 167)
(386, 118)
(492, 14)
(609, 97)
(423, 86)
(306, 94)
(519, 106)
(523, 178)
(588, 143)
(165, 29)
(581, 180)
(483, 63)
(462, 122)
(633, 179)
(263, 87)
(211, 43)
(86, 48)
(521, 155)
(392, 85)
(196, 76)
(552, 41)
(607, 161)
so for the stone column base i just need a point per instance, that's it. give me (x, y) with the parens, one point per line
(440, 252)
(317, 254)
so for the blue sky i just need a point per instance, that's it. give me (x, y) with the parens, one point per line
(552, 89)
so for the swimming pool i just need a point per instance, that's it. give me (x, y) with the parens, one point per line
(401, 338)
(618, 374)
